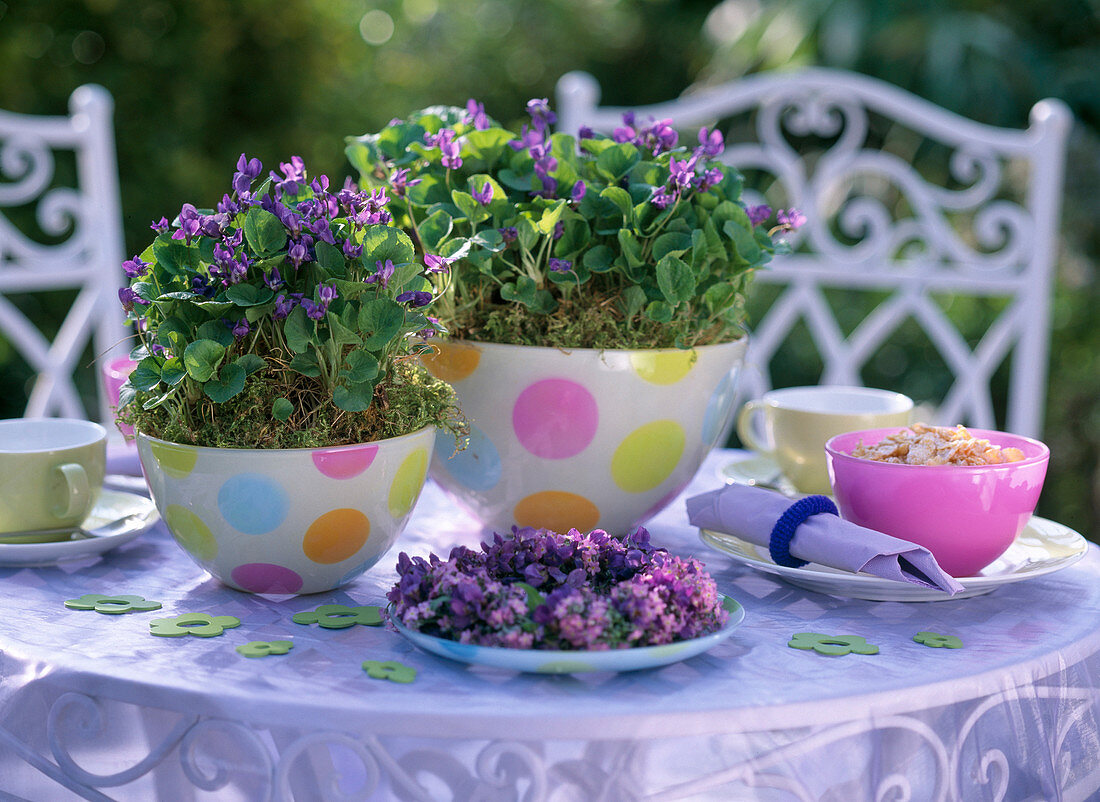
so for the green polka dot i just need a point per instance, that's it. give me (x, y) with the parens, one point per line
(662, 367)
(175, 460)
(190, 532)
(648, 456)
(407, 483)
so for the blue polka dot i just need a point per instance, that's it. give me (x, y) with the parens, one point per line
(253, 503)
(478, 466)
(719, 407)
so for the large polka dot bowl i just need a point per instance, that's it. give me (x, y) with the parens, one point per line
(287, 521)
(581, 438)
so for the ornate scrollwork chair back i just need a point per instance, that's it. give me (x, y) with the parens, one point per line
(910, 207)
(78, 246)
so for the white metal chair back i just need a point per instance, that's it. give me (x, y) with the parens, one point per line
(87, 221)
(987, 227)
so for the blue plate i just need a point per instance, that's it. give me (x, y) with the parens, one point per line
(542, 661)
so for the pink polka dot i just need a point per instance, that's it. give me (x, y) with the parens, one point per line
(555, 418)
(266, 578)
(344, 463)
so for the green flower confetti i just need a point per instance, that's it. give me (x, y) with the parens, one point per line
(391, 670)
(200, 625)
(340, 616)
(112, 605)
(937, 641)
(832, 645)
(262, 648)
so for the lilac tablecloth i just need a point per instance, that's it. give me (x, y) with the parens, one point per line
(92, 706)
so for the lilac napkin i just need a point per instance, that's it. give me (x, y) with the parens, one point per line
(750, 513)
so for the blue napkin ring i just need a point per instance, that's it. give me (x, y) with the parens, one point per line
(779, 546)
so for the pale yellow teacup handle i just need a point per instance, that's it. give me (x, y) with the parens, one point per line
(77, 491)
(745, 430)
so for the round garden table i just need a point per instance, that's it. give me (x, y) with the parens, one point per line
(94, 707)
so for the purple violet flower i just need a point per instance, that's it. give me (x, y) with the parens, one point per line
(790, 219)
(436, 264)
(509, 233)
(758, 214)
(475, 113)
(381, 275)
(283, 307)
(415, 298)
(578, 192)
(400, 182)
(351, 251)
(584, 132)
(135, 268)
(160, 226)
(190, 223)
(298, 253)
(294, 176)
(541, 115)
(274, 279)
(711, 142)
(484, 195)
(313, 311)
(248, 170)
(240, 330)
(128, 298)
(560, 265)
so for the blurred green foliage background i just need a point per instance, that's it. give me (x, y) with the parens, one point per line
(197, 83)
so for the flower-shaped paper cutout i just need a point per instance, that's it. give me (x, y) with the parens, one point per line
(340, 616)
(262, 648)
(832, 645)
(200, 625)
(112, 605)
(391, 670)
(938, 641)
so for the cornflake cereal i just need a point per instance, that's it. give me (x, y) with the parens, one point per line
(921, 444)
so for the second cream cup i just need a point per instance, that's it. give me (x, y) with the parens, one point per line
(798, 420)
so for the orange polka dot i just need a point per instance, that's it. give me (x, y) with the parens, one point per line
(558, 511)
(452, 362)
(336, 535)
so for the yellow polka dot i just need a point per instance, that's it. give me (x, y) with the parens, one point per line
(558, 511)
(175, 460)
(407, 483)
(336, 535)
(663, 367)
(452, 362)
(648, 456)
(190, 532)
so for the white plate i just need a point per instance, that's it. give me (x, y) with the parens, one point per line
(1042, 548)
(112, 505)
(540, 661)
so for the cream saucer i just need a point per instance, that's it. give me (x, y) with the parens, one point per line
(111, 506)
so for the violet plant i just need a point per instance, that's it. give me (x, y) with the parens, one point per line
(537, 589)
(633, 227)
(287, 281)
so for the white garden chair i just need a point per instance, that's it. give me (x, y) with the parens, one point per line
(839, 147)
(86, 221)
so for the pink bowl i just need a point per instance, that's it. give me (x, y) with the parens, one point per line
(966, 515)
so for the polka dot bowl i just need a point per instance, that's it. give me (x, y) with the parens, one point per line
(287, 521)
(581, 438)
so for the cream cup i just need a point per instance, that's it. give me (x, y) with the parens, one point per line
(798, 420)
(51, 472)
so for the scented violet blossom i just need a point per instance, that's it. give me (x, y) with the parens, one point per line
(281, 277)
(535, 588)
(538, 219)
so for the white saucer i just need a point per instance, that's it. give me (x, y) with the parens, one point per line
(112, 505)
(1042, 548)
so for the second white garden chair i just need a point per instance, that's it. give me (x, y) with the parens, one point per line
(83, 251)
(840, 147)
